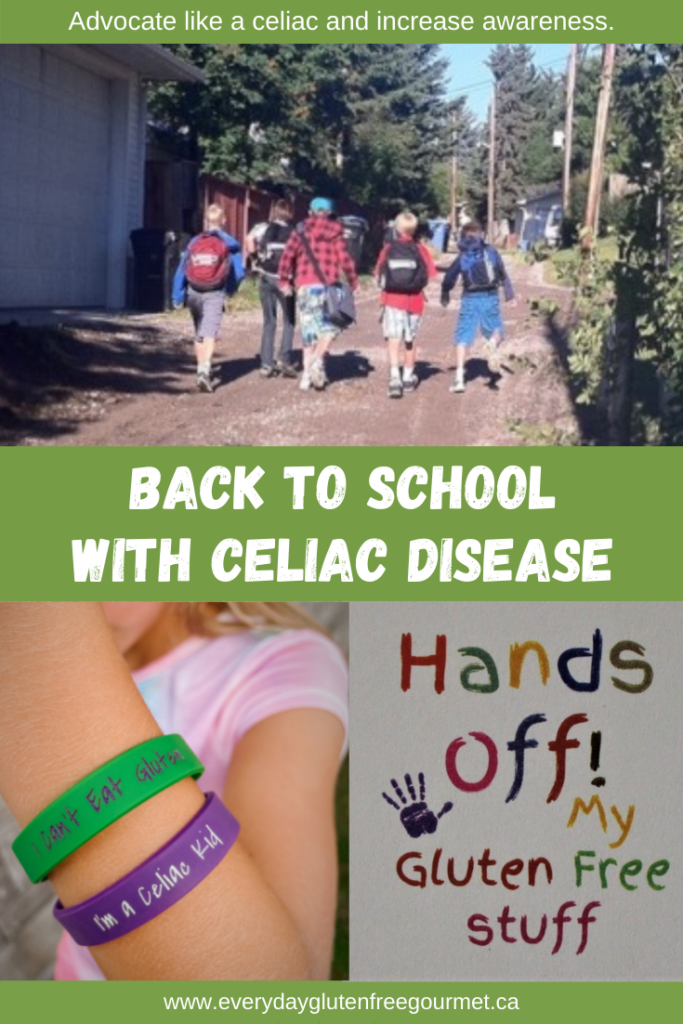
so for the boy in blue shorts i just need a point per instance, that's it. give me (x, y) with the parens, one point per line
(483, 272)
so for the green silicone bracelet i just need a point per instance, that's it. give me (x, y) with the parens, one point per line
(101, 798)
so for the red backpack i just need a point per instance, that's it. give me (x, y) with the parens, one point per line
(208, 262)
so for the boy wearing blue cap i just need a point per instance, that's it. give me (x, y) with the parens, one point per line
(323, 239)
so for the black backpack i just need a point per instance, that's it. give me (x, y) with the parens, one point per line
(404, 270)
(272, 245)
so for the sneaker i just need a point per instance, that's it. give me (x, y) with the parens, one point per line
(305, 382)
(268, 371)
(286, 370)
(319, 377)
(492, 356)
(409, 383)
(204, 382)
(458, 385)
(395, 389)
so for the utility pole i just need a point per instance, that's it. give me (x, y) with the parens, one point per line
(600, 138)
(569, 128)
(454, 177)
(492, 168)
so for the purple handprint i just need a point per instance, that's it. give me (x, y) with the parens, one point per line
(416, 817)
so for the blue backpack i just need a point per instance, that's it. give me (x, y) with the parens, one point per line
(480, 269)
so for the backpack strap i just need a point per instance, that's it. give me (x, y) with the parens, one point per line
(311, 255)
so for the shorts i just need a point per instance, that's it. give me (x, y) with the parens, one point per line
(399, 323)
(312, 316)
(207, 312)
(480, 311)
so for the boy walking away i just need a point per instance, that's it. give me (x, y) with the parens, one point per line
(404, 269)
(210, 268)
(315, 256)
(268, 250)
(483, 272)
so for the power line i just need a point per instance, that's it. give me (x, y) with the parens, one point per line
(486, 83)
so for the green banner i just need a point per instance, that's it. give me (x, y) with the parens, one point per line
(282, 1001)
(96, 21)
(341, 524)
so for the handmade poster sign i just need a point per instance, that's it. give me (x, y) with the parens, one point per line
(517, 781)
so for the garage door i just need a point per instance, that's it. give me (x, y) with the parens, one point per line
(54, 186)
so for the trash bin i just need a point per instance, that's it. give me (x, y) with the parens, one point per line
(440, 231)
(355, 230)
(156, 255)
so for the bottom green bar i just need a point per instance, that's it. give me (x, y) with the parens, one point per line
(247, 1002)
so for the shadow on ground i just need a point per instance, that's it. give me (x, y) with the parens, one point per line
(50, 376)
(348, 365)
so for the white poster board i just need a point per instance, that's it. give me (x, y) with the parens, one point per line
(560, 857)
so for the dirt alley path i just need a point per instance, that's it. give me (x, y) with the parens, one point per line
(140, 386)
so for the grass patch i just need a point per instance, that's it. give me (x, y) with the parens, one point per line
(247, 298)
(556, 268)
(542, 434)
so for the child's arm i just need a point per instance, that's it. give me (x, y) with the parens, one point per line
(287, 261)
(380, 262)
(237, 272)
(178, 291)
(432, 272)
(69, 705)
(280, 787)
(347, 264)
(231, 242)
(449, 281)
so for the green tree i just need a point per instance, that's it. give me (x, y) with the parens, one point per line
(366, 121)
(525, 104)
(541, 162)
(629, 343)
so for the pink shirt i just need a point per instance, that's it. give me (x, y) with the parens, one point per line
(212, 691)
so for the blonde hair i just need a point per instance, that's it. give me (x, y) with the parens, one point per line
(405, 223)
(215, 216)
(216, 618)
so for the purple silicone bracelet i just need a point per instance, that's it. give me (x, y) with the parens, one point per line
(157, 883)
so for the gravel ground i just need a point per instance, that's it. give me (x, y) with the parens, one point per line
(129, 380)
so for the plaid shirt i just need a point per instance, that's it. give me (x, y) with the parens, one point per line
(325, 238)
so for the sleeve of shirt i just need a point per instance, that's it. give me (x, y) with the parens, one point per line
(287, 261)
(431, 265)
(179, 282)
(451, 277)
(346, 263)
(231, 242)
(236, 275)
(289, 671)
(237, 272)
(380, 259)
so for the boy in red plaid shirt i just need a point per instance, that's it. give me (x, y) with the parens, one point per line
(296, 271)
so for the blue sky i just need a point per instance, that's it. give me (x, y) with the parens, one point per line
(467, 68)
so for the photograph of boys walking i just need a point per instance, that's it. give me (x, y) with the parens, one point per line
(445, 244)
